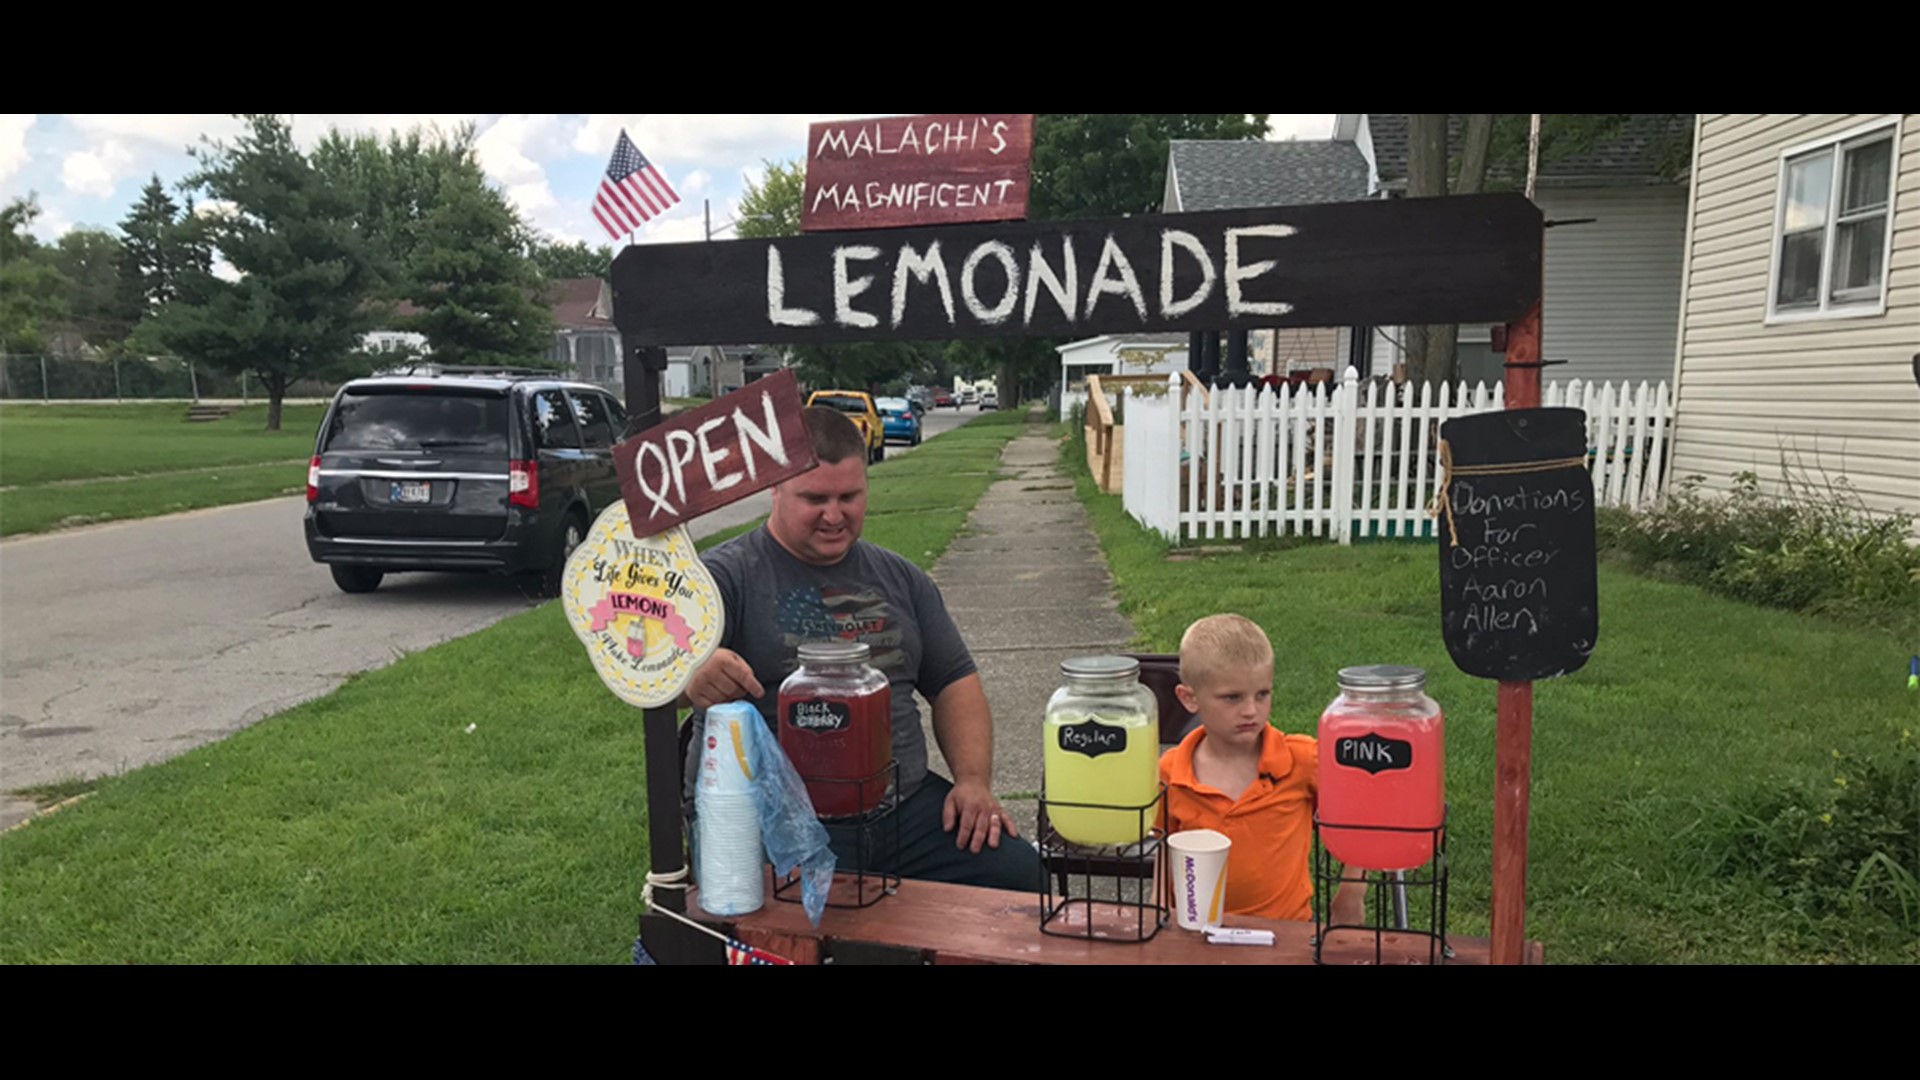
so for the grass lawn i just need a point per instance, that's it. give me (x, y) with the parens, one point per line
(76, 464)
(1690, 708)
(371, 826)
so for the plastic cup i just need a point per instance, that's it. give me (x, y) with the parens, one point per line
(1199, 873)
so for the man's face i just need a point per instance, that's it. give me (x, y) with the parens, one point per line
(818, 515)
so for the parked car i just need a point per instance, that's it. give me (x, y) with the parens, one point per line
(969, 396)
(500, 471)
(899, 420)
(922, 398)
(858, 405)
(944, 400)
(989, 399)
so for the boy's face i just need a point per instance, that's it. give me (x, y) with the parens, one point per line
(1233, 704)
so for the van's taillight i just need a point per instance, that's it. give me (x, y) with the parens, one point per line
(313, 479)
(523, 484)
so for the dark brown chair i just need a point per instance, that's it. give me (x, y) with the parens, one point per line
(1160, 673)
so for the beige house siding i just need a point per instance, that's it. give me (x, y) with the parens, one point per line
(1833, 397)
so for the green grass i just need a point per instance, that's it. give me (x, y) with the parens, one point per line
(1691, 707)
(76, 464)
(370, 826)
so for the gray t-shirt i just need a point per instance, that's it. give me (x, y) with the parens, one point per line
(774, 602)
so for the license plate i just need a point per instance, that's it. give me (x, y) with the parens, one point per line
(412, 491)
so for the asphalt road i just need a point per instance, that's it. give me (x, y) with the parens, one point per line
(126, 644)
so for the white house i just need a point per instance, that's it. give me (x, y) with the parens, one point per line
(1116, 354)
(1800, 300)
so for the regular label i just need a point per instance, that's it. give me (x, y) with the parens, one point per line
(1373, 752)
(819, 717)
(1092, 739)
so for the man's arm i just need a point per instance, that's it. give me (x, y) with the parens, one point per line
(963, 726)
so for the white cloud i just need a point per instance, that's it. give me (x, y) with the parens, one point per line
(704, 138)
(171, 131)
(98, 170)
(13, 141)
(532, 198)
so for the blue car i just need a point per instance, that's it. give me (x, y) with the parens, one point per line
(900, 420)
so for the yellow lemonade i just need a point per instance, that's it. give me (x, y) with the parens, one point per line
(1110, 760)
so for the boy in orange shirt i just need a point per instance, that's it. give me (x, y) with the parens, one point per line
(1237, 775)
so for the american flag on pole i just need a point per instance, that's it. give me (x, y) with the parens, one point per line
(741, 954)
(632, 191)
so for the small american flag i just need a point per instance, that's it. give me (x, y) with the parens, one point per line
(741, 954)
(632, 191)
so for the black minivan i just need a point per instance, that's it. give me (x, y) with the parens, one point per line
(497, 471)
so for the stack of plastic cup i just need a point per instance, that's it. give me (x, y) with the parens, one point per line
(728, 849)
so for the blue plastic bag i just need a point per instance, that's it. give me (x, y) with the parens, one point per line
(792, 831)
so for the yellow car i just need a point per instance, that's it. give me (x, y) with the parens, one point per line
(858, 405)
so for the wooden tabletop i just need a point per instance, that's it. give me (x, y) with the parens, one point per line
(958, 924)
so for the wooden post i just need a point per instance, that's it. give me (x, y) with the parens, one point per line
(666, 835)
(1513, 736)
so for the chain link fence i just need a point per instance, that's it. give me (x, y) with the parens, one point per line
(47, 377)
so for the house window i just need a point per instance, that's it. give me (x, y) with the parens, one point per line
(1836, 205)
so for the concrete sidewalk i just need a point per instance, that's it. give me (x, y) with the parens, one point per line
(1029, 587)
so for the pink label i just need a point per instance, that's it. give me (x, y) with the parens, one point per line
(651, 607)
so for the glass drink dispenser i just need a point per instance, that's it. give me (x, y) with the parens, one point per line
(1383, 766)
(836, 724)
(1103, 748)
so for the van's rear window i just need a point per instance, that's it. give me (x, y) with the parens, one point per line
(419, 421)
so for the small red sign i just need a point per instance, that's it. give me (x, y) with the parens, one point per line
(917, 170)
(719, 453)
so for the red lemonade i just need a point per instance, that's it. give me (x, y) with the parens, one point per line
(1383, 766)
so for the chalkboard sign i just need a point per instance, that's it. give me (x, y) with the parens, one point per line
(1093, 738)
(1519, 599)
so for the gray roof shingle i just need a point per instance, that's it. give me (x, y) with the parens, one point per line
(1228, 175)
(1636, 155)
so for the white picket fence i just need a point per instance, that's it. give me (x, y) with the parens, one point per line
(1353, 460)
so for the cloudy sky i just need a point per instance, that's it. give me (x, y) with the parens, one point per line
(88, 169)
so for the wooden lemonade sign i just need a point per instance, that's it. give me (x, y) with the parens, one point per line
(1519, 596)
(639, 598)
(917, 170)
(1468, 258)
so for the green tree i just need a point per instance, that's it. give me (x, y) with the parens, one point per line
(771, 207)
(33, 291)
(97, 311)
(558, 261)
(444, 241)
(477, 295)
(305, 269)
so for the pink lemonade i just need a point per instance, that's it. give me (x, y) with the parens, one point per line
(1383, 766)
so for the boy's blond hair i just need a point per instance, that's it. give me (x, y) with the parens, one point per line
(1221, 643)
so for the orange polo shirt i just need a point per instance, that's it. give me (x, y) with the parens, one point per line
(1271, 823)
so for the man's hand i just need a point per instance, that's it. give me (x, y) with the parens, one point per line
(979, 816)
(724, 677)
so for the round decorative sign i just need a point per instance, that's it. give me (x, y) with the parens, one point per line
(645, 608)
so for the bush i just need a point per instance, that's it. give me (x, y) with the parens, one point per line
(1843, 850)
(1814, 548)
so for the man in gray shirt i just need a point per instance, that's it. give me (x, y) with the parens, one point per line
(807, 576)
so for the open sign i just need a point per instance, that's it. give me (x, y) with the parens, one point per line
(716, 454)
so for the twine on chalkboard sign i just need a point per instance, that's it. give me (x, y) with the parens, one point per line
(1443, 498)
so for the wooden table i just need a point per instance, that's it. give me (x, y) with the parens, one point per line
(928, 922)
